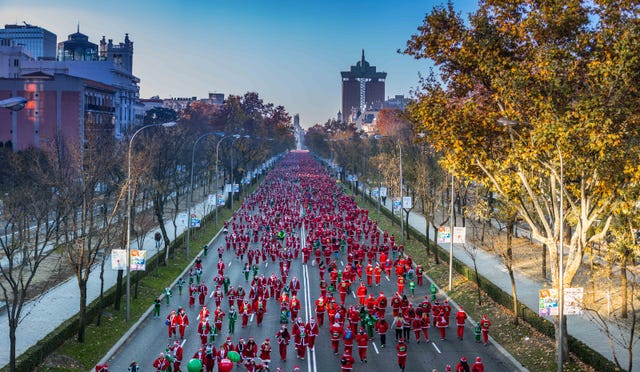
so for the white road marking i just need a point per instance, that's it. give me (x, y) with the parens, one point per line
(436, 347)
(375, 347)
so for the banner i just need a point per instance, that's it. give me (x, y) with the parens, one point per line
(211, 200)
(407, 202)
(548, 301)
(396, 204)
(119, 259)
(444, 234)
(138, 260)
(195, 221)
(220, 200)
(375, 192)
(383, 192)
(459, 234)
(236, 187)
(181, 219)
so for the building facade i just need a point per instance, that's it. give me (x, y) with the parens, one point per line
(62, 110)
(38, 43)
(363, 88)
(114, 67)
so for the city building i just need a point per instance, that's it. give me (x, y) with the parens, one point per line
(362, 89)
(397, 102)
(62, 111)
(38, 43)
(77, 47)
(113, 67)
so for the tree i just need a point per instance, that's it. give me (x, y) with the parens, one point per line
(81, 172)
(572, 86)
(159, 115)
(31, 214)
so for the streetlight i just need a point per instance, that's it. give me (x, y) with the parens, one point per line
(128, 241)
(13, 103)
(236, 136)
(232, 173)
(193, 156)
(401, 191)
(363, 137)
(377, 137)
(401, 195)
(560, 248)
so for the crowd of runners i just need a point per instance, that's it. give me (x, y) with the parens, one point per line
(301, 213)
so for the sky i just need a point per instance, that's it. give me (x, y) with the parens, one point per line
(289, 52)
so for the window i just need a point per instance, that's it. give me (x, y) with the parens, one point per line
(16, 63)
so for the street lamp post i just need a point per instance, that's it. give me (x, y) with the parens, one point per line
(401, 195)
(451, 226)
(236, 136)
(128, 235)
(193, 156)
(233, 176)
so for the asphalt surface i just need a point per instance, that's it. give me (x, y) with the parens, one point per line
(149, 337)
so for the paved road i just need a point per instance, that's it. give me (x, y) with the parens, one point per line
(150, 338)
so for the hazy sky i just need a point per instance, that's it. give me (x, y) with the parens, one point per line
(289, 52)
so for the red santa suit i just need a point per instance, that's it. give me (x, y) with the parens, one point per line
(202, 289)
(336, 332)
(177, 352)
(301, 345)
(283, 341)
(362, 340)
(204, 330)
(311, 329)
(347, 361)
(161, 363)
(265, 351)
(320, 310)
(461, 317)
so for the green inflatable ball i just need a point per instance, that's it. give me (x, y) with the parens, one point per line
(234, 356)
(194, 365)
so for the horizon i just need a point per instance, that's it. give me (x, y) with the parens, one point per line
(290, 53)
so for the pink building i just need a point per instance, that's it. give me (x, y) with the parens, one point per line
(62, 109)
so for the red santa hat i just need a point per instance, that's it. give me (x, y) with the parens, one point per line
(478, 360)
(463, 359)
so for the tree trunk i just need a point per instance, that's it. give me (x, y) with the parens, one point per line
(82, 315)
(544, 261)
(427, 235)
(13, 325)
(624, 283)
(101, 297)
(116, 304)
(435, 245)
(565, 345)
(478, 289)
(514, 295)
(509, 264)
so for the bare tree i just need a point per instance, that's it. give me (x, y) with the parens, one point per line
(81, 172)
(31, 216)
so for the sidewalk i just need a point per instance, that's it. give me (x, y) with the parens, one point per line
(491, 267)
(60, 303)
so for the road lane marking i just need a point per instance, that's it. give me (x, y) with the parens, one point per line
(436, 347)
(375, 347)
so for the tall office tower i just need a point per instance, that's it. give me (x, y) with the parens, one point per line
(362, 88)
(39, 43)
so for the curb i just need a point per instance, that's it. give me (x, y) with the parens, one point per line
(146, 314)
